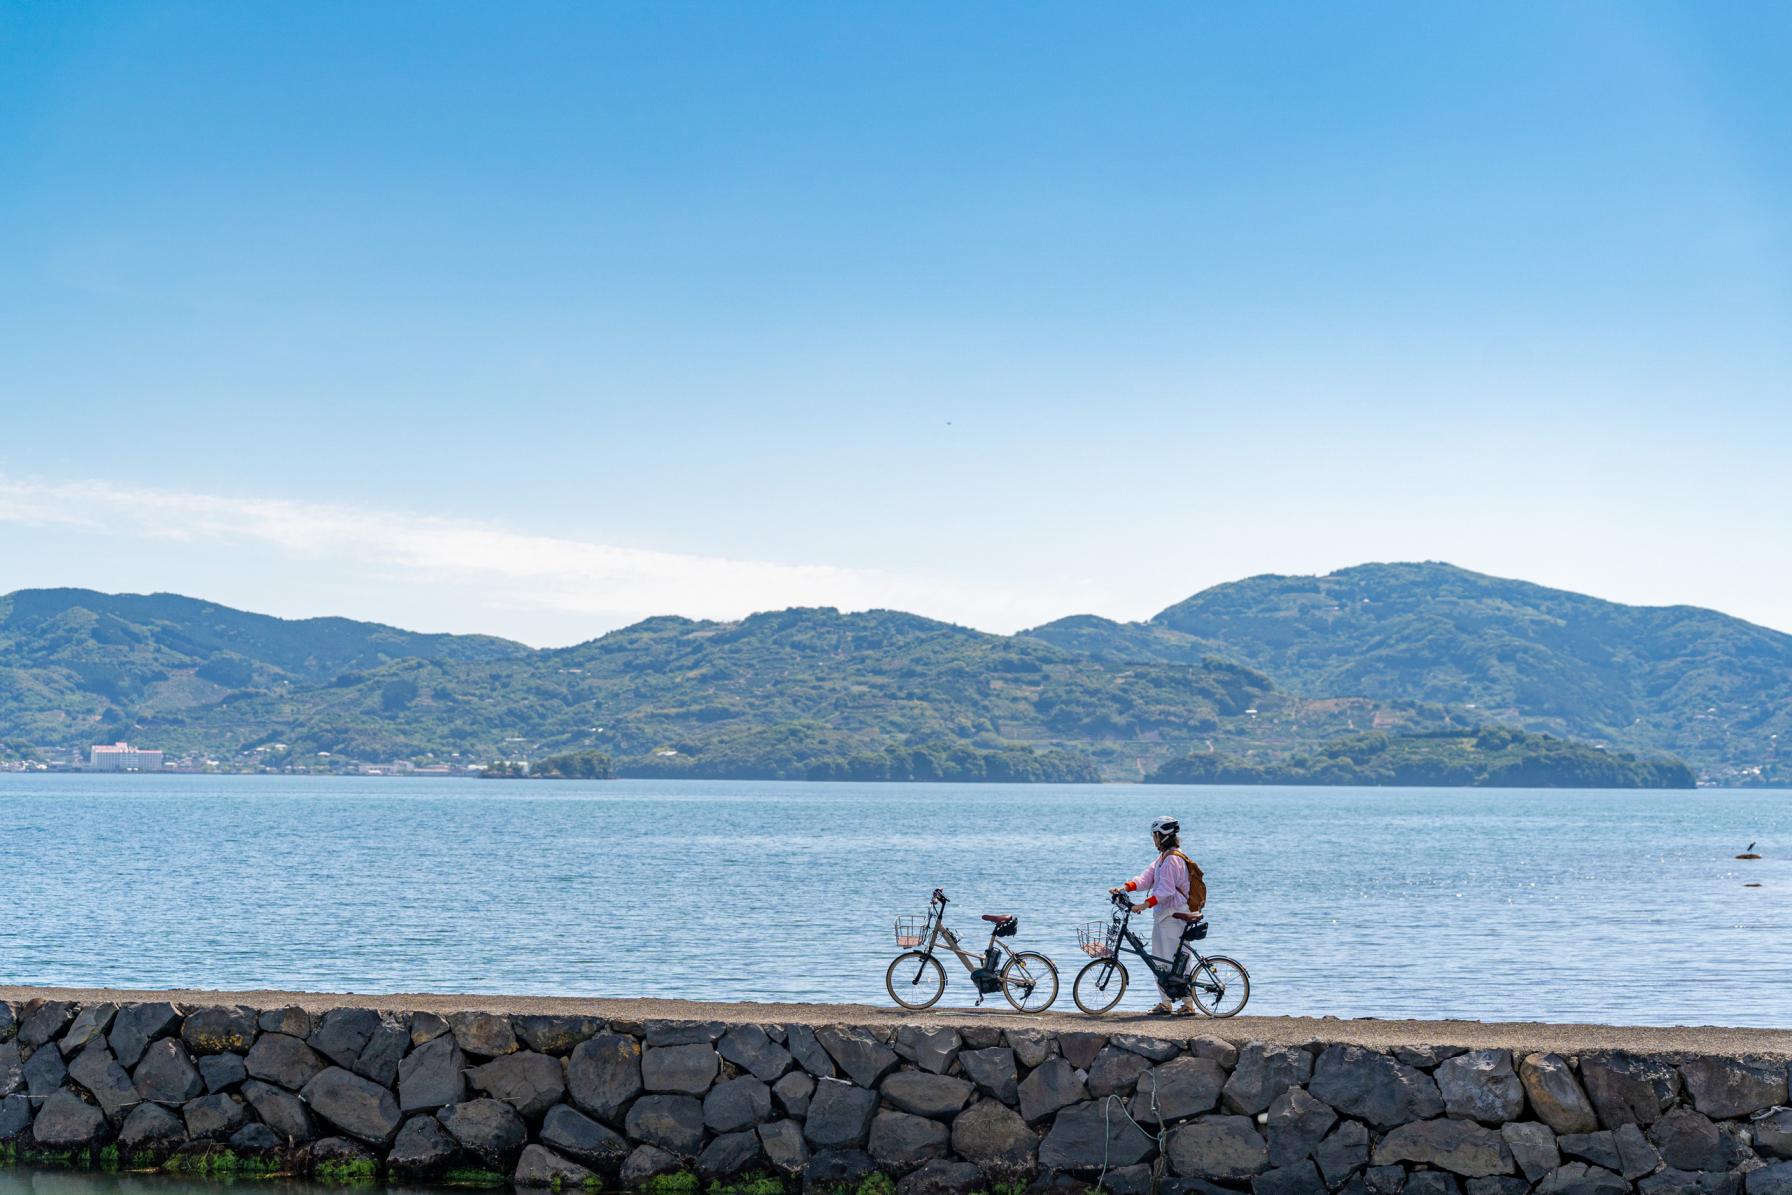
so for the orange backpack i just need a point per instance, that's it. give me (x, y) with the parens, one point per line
(1197, 885)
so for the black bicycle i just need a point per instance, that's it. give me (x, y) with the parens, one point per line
(1218, 985)
(916, 979)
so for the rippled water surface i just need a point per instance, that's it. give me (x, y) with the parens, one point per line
(1555, 905)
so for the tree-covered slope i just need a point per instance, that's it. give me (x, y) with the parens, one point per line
(1713, 689)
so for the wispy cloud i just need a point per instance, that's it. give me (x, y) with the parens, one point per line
(497, 566)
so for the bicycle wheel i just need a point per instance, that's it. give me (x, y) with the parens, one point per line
(1099, 986)
(1220, 986)
(915, 980)
(1030, 981)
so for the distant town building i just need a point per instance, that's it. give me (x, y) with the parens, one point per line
(122, 757)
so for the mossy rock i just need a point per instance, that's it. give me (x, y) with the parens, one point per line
(472, 1177)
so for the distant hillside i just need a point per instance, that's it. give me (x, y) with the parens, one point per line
(1710, 688)
(1494, 757)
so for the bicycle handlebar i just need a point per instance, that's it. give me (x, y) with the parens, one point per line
(939, 894)
(1119, 900)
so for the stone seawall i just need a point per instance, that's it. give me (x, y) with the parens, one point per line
(954, 1103)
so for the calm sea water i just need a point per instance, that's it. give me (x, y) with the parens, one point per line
(1557, 905)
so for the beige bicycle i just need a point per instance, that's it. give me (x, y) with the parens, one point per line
(916, 980)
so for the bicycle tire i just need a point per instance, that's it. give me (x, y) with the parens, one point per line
(1040, 972)
(1095, 1005)
(1212, 990)
(920, 985)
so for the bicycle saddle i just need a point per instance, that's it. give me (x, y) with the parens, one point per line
(1189, 916)
(998, 918)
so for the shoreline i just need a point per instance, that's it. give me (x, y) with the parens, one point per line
(1567, 1039)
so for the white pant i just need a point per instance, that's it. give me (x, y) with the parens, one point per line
(1166, 935)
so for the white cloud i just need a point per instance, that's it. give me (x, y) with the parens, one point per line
(495, 567)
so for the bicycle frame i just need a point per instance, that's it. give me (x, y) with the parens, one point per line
(971, 962)
(1162, 969)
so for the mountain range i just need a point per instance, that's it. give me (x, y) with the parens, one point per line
(1262, 671)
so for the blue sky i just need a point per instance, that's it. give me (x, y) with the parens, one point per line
(535, 319)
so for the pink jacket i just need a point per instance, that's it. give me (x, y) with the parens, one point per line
(1166, 881)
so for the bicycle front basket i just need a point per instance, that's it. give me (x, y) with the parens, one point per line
(911, 932)
(1099, 939)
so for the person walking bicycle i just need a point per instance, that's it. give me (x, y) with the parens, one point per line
(1172, 885)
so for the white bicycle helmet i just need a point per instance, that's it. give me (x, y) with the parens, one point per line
(1166, 825)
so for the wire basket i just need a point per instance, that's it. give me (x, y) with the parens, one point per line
(1099, 939)
(911, 931)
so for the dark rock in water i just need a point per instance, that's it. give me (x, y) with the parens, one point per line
(44, 1072)
(943, 1178)
(342, 1033)
(91, 1022)
(808, 1051)
(281, 1110)
(793, 1092)
(672, 1122)
(1724, 1087)
(432, 1076)
(685, 1069)
(292, 1020)
(931, 1048)
(1460, 1146)
(385, 1047)
(863, 1058)
(45, 1023)
(488, 1129)
(604, 1074)
(1114, 1072)
(95, 1069)
(579, 1137)
(422, 1149)
(1296, 1124)
(839, 1116)
(361, 1109)
(485, 1034)
(287, 1061)
(136, 1025)
(752, 1049)
(1556, 1096)
(15, 1116)
(214, 1117)
(648, 1161)
(993, 1071)
(1533, 1147)
(554, 1034)
(540, 1166)
(1298, 1178)
(839, 1166)
(338, 1155)
(1218, 1148)
(734, 1105)
(1085, 1136)
(1481, 1085)
(729, 1155)
(167, 1075)
(67, 1122)
(683, 1033)
(220, 1029)
(1052, 1085)
(529, 1082)
(939, 1096)
(996, 1139)
(1264, 1072)
(151, 1128)
(1178, 1089)
(1628, 1088)
(1689, 1141)
(900, 1140)
(1372, 1086)
(785, 1149)
(253, 1138)
(221, 1072)
(1343, 1153)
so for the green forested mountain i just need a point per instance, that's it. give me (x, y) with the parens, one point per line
(1492, 757)
(1712, 689)
(1258, 672)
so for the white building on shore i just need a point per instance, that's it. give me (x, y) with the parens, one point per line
(122, 757)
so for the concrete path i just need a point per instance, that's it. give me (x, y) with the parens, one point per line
(1514, 1035)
